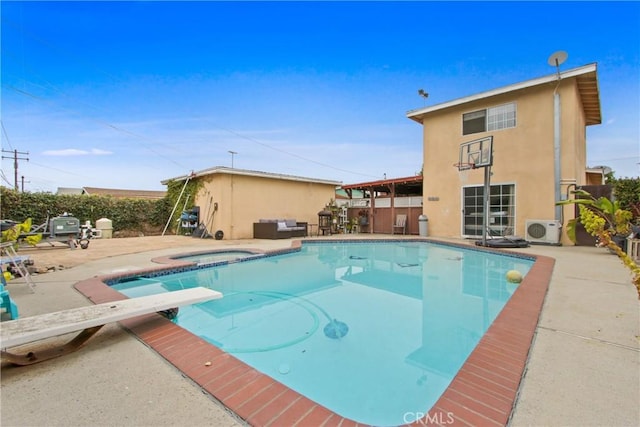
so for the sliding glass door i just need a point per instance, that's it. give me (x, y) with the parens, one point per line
(501, 210)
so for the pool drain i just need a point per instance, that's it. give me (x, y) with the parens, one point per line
(336, 329)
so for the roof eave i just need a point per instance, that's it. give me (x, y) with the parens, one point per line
(404, 180)
(418, 115)
(245, 172)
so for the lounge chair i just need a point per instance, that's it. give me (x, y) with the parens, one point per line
(8, 307)
(401, 223)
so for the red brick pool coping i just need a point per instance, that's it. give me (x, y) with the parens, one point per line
(483, 392)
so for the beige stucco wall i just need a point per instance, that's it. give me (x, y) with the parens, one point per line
(523, 155)
(243, 200)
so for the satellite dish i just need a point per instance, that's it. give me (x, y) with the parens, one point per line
(557, 58)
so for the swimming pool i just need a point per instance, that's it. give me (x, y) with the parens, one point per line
(407, 315)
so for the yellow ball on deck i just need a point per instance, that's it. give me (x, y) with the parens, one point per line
(7, 275)
(514, 276)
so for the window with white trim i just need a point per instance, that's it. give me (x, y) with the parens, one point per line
(494, 118)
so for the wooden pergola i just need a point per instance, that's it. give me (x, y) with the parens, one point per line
(394, 187)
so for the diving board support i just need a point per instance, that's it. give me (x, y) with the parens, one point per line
(88, 320)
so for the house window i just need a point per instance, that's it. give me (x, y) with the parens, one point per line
(494, 118)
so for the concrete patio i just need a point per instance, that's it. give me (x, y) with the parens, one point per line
(584, 367)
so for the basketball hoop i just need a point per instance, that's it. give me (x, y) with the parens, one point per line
(463, 170)
(464, 166)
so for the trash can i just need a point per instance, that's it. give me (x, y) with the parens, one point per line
(423, 224)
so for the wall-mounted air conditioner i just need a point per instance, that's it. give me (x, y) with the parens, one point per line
(543, 231)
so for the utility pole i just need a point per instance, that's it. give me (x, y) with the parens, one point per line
(22, 184)
(15, 163)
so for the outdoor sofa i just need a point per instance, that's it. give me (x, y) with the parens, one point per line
(279, 229)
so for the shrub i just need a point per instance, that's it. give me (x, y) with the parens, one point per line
(142, 215)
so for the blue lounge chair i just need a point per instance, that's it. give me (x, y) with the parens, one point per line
(6, 303)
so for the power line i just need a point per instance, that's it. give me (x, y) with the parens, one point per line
(617, 158)
(56, 49)
(4, 177)
(53, 47)
(248, 138)
(68, 172)
(233, 132)
(4, 132)
(101, 122)
(118, 129)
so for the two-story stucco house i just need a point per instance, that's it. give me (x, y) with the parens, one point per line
(538, 129)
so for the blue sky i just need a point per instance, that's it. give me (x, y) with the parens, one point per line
(126, 94)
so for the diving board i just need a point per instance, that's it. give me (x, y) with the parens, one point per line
(88, 320)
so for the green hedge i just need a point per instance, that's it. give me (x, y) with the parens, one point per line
(147, 216)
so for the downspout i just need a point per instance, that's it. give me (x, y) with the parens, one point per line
(231, 206)
(393, 206)
(556, 149)
(372, 208)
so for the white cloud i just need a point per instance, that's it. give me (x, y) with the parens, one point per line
(76, 152)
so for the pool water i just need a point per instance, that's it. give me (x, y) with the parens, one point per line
(373, 331)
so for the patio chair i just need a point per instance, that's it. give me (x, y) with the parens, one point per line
(8, 307)
(401, 223)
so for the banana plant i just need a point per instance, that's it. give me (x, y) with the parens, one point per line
(604, 219)
(617, 220)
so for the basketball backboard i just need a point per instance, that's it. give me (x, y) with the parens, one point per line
(476, 154)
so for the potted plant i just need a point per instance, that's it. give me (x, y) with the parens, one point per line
(608, 222)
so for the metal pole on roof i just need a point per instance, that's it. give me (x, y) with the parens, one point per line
(233, 153)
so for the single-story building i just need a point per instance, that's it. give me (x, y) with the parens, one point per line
(230, 200)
